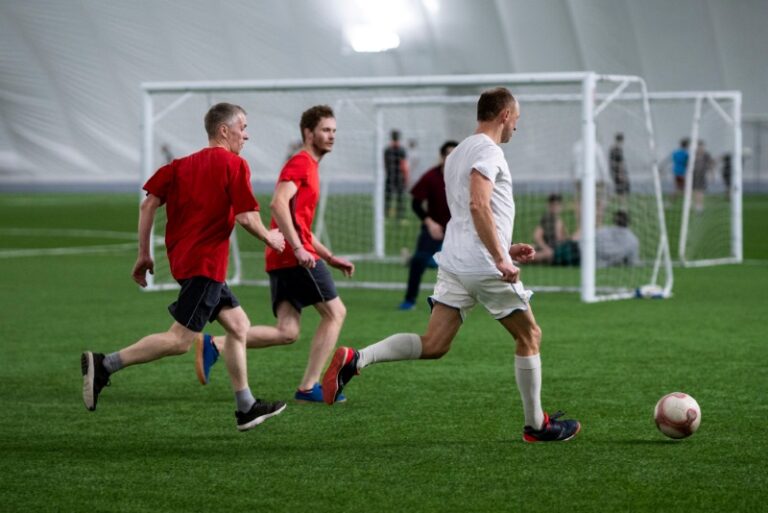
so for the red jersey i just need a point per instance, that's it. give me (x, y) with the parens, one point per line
(431, 188)
(202, 194)
(301, 169)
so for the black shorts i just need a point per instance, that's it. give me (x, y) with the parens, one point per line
(200, 300)
(301, 286)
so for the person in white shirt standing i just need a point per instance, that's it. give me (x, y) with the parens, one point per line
(476, 265)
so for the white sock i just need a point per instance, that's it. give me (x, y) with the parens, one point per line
(528, 377)
(402, 346)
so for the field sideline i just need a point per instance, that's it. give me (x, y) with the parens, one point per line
(416, 436)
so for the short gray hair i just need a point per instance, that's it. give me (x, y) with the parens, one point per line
(221, 113)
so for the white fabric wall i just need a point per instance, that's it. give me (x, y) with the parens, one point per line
(70, 69)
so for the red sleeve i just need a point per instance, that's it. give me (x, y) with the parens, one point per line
(240, 190)
(295, 170)
(159, 183)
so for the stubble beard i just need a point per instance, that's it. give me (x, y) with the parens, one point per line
(321, 150)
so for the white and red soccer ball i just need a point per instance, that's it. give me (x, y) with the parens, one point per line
(677, 415)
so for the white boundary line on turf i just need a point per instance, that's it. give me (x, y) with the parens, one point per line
(65, 232)
(754, 262)
(82, 250)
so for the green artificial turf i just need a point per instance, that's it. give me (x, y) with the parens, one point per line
(413, 436)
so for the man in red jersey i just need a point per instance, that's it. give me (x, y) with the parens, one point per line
(298, 277)
(204, 194)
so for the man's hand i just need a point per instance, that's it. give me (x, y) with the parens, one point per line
(343, 265)
(434, 229)
(304, 257)
(140, 268)
(522, 253)
(275, 240)
(509, 272)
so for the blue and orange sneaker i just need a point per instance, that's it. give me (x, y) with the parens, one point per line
(206, 355)
(553, 431)
(314, 395)
(343, 368)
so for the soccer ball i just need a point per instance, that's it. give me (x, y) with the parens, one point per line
(649, 292)
(677, 415)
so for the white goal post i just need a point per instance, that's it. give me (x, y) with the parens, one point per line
(559, 111)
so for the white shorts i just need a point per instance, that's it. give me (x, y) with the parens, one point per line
(464, 291)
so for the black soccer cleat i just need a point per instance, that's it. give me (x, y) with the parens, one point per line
(259, 412)
(553, 431)
(95, 377)
(343, 367)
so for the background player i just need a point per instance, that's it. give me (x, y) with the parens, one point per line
(397, 170)
(429, 191)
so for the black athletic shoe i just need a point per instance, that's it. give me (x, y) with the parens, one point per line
(343, 367)
(95, 377)
(259, 412)
(553, 431)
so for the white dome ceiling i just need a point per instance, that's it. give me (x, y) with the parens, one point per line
(70, 70)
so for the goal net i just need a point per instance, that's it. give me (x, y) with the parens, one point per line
(562, 146)
(704, 210)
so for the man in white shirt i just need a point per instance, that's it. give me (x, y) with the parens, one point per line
(475, 266)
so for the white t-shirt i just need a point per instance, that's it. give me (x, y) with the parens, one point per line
(463, 252)
(616, 245)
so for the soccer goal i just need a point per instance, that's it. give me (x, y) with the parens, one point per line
(704, 219)
(567, 127)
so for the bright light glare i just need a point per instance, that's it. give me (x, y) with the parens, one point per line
(433, 6)
(393, 14)
(370, 38)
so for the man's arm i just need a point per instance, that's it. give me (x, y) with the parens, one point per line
(342, 264)
(405, 169)
(144, 261)
(436, 231)
(251, 221)
(281, 212)
(480, 189)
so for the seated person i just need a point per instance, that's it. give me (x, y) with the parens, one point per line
(616, 245)
(551, 240)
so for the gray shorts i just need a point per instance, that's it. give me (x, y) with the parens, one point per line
(301, 286)
(200, 301)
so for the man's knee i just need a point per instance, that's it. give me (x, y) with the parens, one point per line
(434, 348)
(531, 338)
(288, 334)
(237, 326)
(182, 341)
(336, 313)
